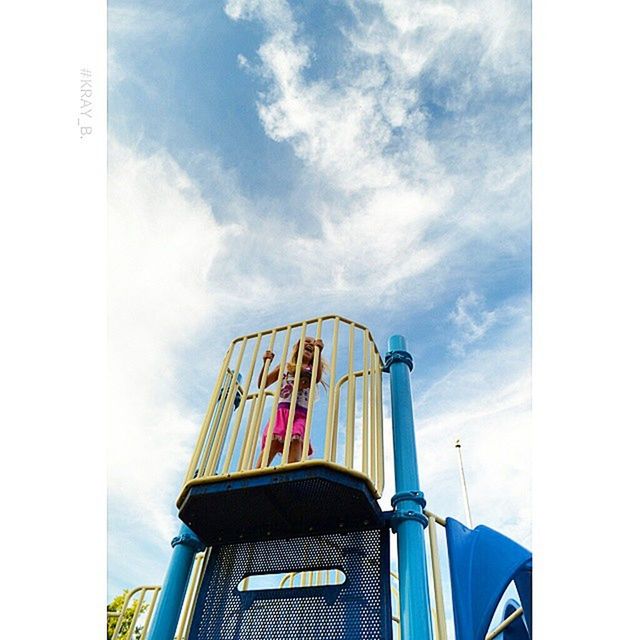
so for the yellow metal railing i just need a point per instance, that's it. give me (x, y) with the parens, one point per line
(189, 604)
(125, 628)
(439, 619)
(142, 615)
(504, 624)
(343, 417)
(395, 607)
(292, 579)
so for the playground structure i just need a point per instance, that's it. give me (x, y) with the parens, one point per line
(302, 549)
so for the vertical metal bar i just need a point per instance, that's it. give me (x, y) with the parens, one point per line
(226, 414)
(351, 403)
(204, 560)
(206, 422)
(213, 430)
(335, 421)
(125, 606)
(236, 426)
(373, 460)
(281, 373)
(372, 409)
(415, 614)
(375, 393)
(441, 626)
(379, 436)
(152, 606)
(216, 431)
(395, 594)
(331, 426)
(253, 427)
(116, 628)
(317, 355)
(134, 617)
(187, 608)
(336, 418)
(366, 376)
(294, 395)
(245, 454)
(201, 560)
(255, 437)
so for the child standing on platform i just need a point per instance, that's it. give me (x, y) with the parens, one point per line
(284, 401)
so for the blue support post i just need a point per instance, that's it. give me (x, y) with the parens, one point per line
(185, 546)
(407, 518)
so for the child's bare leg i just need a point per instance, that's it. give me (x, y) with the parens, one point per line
(273, 450)
(295, 451)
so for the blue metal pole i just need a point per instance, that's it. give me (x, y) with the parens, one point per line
(407, 519)
(185, 546)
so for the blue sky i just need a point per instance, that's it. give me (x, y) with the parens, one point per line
(271, 161)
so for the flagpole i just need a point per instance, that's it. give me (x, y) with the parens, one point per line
(465, 493)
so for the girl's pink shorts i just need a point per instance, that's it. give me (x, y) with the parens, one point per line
(280, 427)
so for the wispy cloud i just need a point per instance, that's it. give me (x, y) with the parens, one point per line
(132, 21)
(486, 401)
(404, 185)
(364, 136)
(163, 240)
(472, 319)
(466, 46)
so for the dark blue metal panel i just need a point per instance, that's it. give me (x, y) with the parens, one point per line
(282, 503)
(358, 609)
(482, 563)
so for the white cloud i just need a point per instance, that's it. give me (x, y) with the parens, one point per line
(363, 137)
(163, 241)
(472, 319)
(469, 45)
(375, 236)
(388, 212)
(275, 13)
(379, 193)
(485, 401)
(133, 25)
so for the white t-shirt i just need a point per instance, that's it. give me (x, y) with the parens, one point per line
(287, 389)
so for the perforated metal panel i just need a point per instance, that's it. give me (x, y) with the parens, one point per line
(280, 503)
(360, 608)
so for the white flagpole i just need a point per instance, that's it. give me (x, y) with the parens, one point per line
(465, 493)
